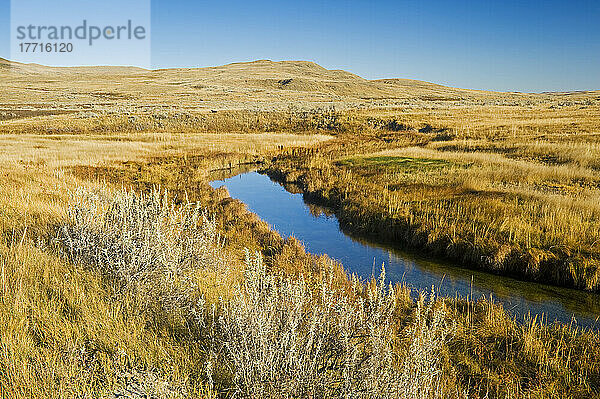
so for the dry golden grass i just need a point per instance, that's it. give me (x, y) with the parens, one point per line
(572, 118)
(511, 177)
(63, 334)
(74, 356)
(260, 85)
(507, 205)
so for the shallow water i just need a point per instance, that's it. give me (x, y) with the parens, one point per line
(320, 233)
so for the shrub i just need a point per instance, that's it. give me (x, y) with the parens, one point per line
(278, 336)
(149, 248)
(286, 339)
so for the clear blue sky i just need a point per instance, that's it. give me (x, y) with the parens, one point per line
(497, 45)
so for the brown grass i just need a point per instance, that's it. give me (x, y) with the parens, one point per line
(508, 205)
(504, 181)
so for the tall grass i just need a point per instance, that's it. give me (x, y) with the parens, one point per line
(64, 334)
(500, 207)
(170, 317)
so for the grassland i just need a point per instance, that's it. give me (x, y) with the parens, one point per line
(524, 204)
(111, 288)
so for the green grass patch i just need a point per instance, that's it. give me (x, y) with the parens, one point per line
(393, 162)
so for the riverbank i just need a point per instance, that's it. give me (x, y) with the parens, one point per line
(292, 214)
(66, 347)
(488, 353)
(505, 215)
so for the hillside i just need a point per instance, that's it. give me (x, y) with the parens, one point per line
(258, 85)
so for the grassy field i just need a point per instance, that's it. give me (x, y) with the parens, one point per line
(122, 272)
(522, 204)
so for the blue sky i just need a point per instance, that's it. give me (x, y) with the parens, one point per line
(499, 45)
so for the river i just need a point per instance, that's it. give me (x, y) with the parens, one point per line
(318, 229)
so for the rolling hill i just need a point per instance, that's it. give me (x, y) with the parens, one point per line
(259, 84)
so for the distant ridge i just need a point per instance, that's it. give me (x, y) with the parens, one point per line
(260, 84)
(296, 75)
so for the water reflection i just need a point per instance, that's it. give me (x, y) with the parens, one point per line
(234, 170)
(316, 226)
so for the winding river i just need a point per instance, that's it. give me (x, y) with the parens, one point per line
(319, 231)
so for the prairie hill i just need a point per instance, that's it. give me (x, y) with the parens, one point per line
(260, 85)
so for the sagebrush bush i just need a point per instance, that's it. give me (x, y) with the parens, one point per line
(278, 336)
(286, 339)
(149, 248)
